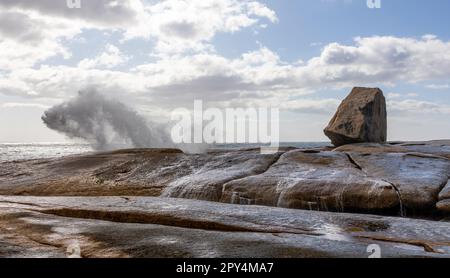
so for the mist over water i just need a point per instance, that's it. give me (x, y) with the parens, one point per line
(105, 123)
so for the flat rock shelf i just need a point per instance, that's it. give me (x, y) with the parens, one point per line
(322, 202)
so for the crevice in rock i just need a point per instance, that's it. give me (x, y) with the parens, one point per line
(425, 155)
(169, 220)
(5, 174)
(21, 203)
(183, 189)
(353, 161)
(412, 144)
(427, 246)
(44, 242)
(274, 161)
(397, 190)
(400, 199)
(444, 187)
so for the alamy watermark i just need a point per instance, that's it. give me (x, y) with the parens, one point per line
(374, 250)
(227, 126)
(73, 250)
(374, 4)
(73, 4)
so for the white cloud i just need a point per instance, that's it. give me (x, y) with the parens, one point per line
(26, 39)
(260, 74)
(33, 31)
(98, 13)
(319, 106)
(262, 10)
(24, 105)
(60, 82)
(393, 95)
(375, 60)
(185, 66)
(316, 44)
(110, 58)
(438, 86)
(417, 107)
(179, 25)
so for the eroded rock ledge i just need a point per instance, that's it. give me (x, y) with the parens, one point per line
(400, 179)
(167, 227)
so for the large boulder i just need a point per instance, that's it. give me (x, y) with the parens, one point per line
(360, 118)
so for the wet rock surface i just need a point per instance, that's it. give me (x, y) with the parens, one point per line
(398, 179)
(444, 199)
(444, 205)
(369, 178)
(445, 193)
(418, 178)
(315, 181)
(437, 147)
(141, 172)
(166, 227)
(418, 170)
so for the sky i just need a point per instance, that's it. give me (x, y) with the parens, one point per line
(302, 56)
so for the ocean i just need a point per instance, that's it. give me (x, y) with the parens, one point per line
(23, 151)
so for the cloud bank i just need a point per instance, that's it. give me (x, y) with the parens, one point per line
(181, 63)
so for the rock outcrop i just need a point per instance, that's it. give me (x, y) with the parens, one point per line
(135, 172)
(412, 177)
(360, 118)
(175, 228)
(399, 179)
(314, 181)
(369, 178)
(436, 147)
(418, 178)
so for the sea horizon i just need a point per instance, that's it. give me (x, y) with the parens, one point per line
(12, 151)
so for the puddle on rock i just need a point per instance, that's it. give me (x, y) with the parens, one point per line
(333, 232)
(366, 226)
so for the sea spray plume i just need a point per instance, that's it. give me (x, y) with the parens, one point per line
(104, 123)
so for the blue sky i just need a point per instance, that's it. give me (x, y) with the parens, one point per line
(315, 21)
(302, 56)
